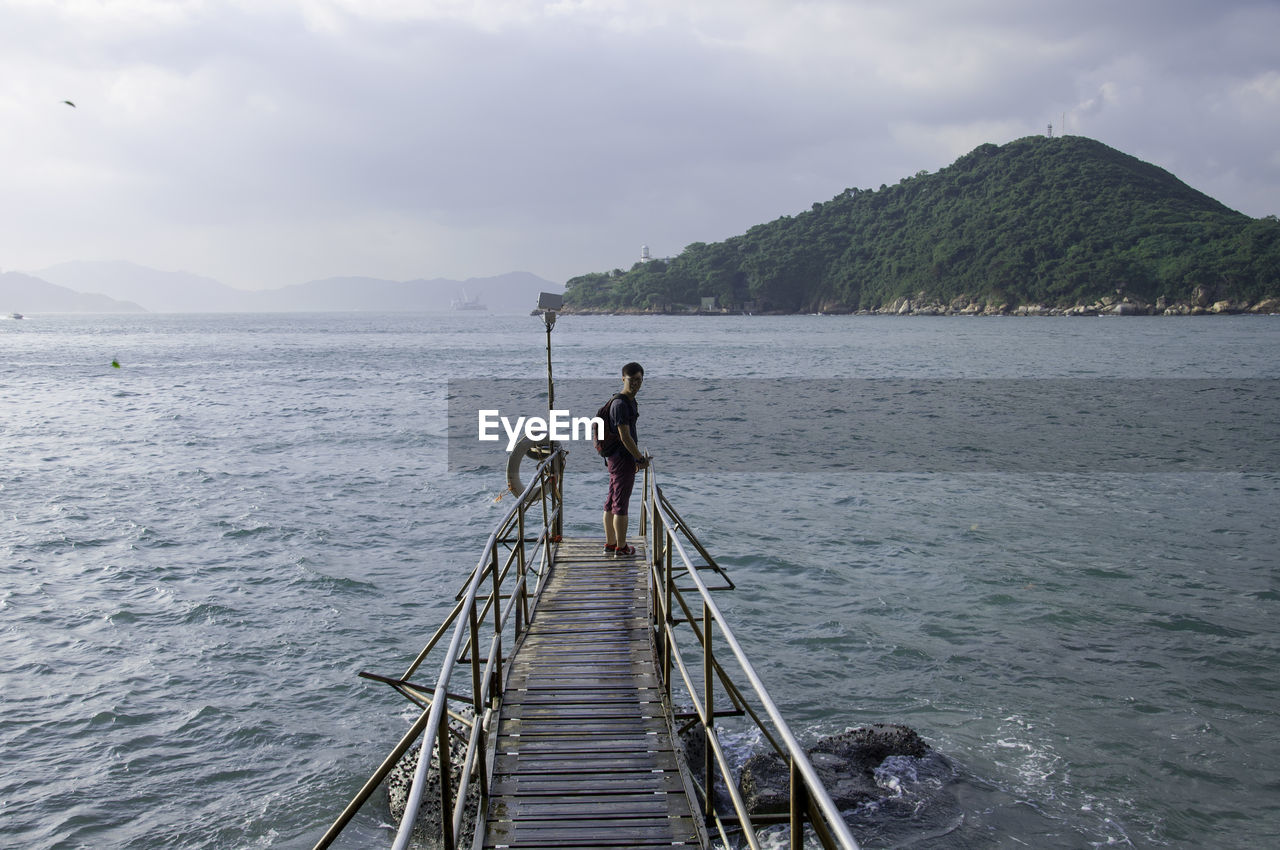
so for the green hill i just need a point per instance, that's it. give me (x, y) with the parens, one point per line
(1039, 221)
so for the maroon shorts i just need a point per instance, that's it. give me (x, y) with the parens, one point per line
(622, 477)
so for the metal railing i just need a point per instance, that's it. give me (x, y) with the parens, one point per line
(494, 608)
(501, 575)
(673, 607)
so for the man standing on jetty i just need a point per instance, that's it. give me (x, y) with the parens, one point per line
(623, 463)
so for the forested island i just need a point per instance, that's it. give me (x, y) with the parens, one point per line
(1040, 225)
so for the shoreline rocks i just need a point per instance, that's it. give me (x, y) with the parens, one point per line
(846, 763)
(922, 306)
(427, 826)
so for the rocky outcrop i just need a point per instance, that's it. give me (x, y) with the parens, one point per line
(1200, 304)
(845, 763)
(427, 827)
(1106, 306)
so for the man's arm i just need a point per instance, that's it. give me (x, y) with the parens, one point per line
(629, 442)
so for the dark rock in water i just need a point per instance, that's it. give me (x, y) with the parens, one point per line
(845, 763)
(870, 745)
(398, 782)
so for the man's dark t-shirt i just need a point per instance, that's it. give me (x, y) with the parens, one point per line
(623, 411)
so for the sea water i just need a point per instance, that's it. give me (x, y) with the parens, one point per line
(202, 546)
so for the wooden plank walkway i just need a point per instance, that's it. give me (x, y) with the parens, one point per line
(583, 753)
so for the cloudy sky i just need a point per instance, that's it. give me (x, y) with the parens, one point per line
(269, 142)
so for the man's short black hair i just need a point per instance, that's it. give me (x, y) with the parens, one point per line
(632, 369)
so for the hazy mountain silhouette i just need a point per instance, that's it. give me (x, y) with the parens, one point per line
(512, 292)
(157, 291)
(22, 293)
(182, 292)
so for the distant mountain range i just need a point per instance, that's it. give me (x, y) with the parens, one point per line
(122, 287)
(25, 293)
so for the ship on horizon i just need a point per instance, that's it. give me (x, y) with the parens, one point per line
(467, 303)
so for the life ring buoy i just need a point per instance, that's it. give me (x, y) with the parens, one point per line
(537, 450)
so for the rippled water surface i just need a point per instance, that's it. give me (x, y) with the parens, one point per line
(201, 548)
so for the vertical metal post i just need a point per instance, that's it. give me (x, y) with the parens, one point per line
(544, 495)
(799, 806)
(709, 721)
(655, 536)
(474, 622)
(482, 747)
(446, 780)
(653, 582)
(497, 587)
(669, 618)
(520, 561)
(495, 680)
(660, 615)
(520, 603)
(645, 502)
(557, 497)
(550, 318)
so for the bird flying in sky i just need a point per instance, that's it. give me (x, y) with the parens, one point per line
(69, 103)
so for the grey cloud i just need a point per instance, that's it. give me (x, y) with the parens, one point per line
(563, 144)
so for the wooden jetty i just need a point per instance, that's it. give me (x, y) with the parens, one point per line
(584, 754)
(554, 700)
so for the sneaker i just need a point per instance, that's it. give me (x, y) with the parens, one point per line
(624, 551)
(609, 549)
